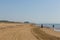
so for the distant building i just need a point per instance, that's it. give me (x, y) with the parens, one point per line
(26, 22)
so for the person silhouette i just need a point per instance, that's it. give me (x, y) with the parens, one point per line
(53, 26)
(41, 25)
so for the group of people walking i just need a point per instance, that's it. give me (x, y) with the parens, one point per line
(42, 26)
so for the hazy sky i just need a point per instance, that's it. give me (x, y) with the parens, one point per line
(39, 11)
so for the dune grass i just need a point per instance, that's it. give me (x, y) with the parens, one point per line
(42, 35)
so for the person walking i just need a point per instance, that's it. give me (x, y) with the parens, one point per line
(41, 25)
(53, 26)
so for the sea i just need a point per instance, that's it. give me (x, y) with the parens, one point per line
(56, 26)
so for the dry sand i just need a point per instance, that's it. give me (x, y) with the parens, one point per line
(17, 32)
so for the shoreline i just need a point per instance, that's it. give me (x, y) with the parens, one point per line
(58, 30)
(51, 31)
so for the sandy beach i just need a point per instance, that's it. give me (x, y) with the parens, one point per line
(11, 31)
